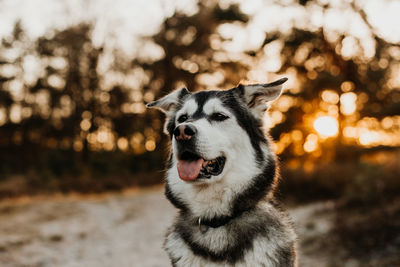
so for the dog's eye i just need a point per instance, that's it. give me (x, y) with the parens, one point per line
(218, 117)
(182, 118)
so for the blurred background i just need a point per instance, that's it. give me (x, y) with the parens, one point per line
(75, 77)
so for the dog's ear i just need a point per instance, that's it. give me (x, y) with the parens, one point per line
(168, 103)
(258, 97)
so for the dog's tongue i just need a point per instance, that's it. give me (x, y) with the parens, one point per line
(189, 170)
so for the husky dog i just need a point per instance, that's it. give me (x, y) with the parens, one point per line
(221, 175)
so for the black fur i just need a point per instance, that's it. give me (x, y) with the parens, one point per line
(275, 83)
(231, 99)
(171, 121)
(174, 262)
(287, 256)
(254, 193)
(243, 203)
(257, 224)
(248, 198)
(201, 98)
(245, 221)
(171, 126)
(247, 121)
(175, 200)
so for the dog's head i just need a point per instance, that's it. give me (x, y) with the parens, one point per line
(215, 134)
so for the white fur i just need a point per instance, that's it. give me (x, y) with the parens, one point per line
(189, 108)
(214, 105)
(211, 197)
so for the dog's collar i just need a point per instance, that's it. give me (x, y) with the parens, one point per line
(216, 221)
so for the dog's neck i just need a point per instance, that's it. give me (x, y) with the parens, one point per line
(244, 201)
(219, 221)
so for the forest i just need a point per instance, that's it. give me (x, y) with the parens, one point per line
(73, 116)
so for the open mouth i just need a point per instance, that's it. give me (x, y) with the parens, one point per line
(191, 166)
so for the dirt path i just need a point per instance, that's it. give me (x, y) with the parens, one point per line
(116, 230)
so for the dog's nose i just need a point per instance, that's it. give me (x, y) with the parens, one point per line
(184, 132)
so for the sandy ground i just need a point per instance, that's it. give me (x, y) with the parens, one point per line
(115, 230)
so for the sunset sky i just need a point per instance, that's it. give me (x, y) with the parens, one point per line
(120, 22)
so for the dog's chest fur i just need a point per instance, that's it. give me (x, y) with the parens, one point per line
(260, 237)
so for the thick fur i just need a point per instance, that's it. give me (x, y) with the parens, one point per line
(239, 223)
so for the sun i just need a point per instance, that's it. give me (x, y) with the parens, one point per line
(326, 126)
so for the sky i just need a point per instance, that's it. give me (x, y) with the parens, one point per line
(119, 23)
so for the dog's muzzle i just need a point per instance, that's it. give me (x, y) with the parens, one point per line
(191, 164)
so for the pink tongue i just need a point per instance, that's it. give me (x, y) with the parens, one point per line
(189, 170)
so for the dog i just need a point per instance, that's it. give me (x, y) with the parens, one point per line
(221, 175)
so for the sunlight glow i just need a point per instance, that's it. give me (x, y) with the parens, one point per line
(273, 118)
(348, 103)
(347, 86)
(123, 143)
(370, 132)
(326, 126)
(150, 145)
(311, 143)
(3, 116)
(78, 145)
(350, 132)
(368, 137)
(85, 125)
(15, 113)
(330, 96)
